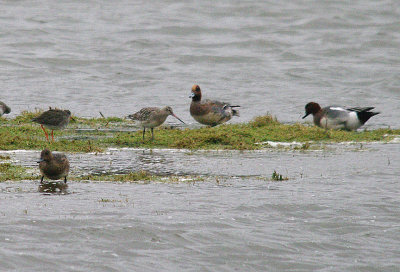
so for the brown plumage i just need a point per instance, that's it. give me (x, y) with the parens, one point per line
(4, 109)
(53, 166)
(152, 117)
(210, 112)
(53, 119)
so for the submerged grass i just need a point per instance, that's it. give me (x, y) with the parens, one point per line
(278, 177)
(138, 176)
(97, 134)
(129, 177)
(10, 171)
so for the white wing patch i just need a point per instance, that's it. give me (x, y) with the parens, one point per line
(337, 108)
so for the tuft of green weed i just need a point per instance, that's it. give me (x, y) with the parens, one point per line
(129, 177)
(10, 171)
(26, 116)
(262, 121)
(278, 177)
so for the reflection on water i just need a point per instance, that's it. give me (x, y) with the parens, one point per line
(53, 188)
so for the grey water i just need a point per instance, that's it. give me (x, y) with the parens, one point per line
(339, 209)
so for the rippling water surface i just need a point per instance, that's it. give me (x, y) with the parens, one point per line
(335, 213)
(268, 56)
(339, 210)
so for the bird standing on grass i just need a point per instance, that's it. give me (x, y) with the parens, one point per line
(152, 117)
(210, 112)
(53, 119)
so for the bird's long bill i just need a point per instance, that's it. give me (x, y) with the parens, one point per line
(307, 114)
(178, 118)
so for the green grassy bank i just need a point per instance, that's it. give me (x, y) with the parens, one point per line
(97, 134)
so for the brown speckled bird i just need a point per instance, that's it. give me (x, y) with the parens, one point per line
(209, 112)
(53, 119)
(4, 109)
(152, 117)
(53, 166)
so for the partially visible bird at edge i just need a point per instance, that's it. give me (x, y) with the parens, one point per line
(4, 109)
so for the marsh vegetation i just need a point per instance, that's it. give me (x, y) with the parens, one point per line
(97, 134)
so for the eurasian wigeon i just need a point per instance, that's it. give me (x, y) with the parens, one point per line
(152, 117)
(209, 112)
(335, 117)
(53, 166)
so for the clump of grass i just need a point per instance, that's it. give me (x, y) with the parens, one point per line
(129, 177)
(32, 137)
(10, 171)
(106, 200)
(99, 121)
(278, 177)
(134, 176)
(27, 116)
(304, 146)
(262, 121)
(4, 157)
(138, 176)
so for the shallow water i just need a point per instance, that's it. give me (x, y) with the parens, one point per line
(339, 210)
(273, 56)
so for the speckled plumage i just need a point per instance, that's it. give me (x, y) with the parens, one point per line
(336, 117)
(53, 119)
(152, 117)
(53, 166)
(4, 109)
(210, 112)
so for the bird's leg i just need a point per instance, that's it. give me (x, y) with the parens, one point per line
(41, 180)
(52, 136)
(326, 128)
(65, 179)
(45, 133)
(152, 135)
(144, 130)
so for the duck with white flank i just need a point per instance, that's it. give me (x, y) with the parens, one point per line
(209, 112)
(152, 117)
(334, 117)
